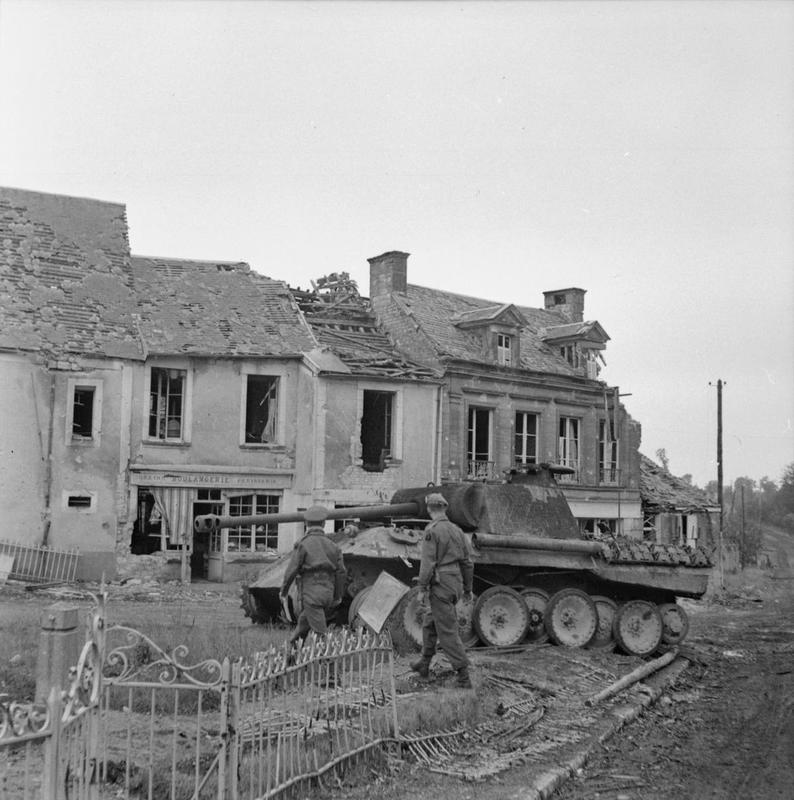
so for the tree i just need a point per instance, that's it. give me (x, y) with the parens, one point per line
(661, 454)
(784, 499)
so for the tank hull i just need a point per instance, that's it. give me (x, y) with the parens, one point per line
(525, 540)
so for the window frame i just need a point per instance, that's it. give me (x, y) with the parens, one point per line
(186, 410)
(504, 349)
(608, 474)
(277, 382)
(73, 386)
(563, 446)
(472, 452)
(395, 450)
(521, 459)
(238, 532)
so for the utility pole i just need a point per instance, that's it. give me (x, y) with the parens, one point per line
(719, 475)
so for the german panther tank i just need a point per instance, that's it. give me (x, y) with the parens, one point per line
(536, 577)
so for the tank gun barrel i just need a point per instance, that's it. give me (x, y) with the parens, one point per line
(214, 522)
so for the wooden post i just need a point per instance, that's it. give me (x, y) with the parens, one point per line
(59, 648)
(633, 677)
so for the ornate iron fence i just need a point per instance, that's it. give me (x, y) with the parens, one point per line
(139, 722)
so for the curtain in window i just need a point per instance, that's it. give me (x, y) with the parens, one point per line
(176, 509)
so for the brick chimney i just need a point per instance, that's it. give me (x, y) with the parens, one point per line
(388, 273)
(569, 302)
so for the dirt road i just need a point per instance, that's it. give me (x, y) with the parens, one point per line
(726, 729)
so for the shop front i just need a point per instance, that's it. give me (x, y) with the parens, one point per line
(168, 499)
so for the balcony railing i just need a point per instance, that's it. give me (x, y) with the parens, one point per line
(609, 476)
(480, 471)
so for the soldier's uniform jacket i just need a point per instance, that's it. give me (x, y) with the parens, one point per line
(445, 551)
(316, 555)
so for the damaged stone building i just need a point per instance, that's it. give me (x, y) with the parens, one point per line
(138, 392)
(521, 387)
(674, 512)
(69, 348)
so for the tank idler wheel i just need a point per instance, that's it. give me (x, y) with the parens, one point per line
(404, 624)
(638, 627)
(571, 618)
(604, 639)
(352, 615)
(675, 623)
(501, 617)
(536, 600)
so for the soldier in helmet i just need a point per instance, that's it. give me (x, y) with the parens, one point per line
(318, 563)
(445, 575)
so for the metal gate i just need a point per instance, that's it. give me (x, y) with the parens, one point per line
(138, 721)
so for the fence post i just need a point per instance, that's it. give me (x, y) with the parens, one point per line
(52, 745)
(225, 728)
(59, 648)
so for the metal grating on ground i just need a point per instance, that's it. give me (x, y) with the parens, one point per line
(536, 716)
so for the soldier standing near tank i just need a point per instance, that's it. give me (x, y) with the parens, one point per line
(318, 565)
(446, 572)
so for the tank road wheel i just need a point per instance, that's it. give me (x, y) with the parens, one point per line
(355, 604)
(466, 629)
(571, 618)
(501, 617)
(638, 627)
(675, 623)
(536, 600)
(604, 639)
(405, 623)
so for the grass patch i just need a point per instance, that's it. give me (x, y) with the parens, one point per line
(20, 637)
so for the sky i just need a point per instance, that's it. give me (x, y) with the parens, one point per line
(641, 151)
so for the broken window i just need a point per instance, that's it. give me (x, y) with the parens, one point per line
(649, 523)
(607, 454)
(376, 429)
(166, 403)
(478, 443)
(568, 447)
(504, 350)
(83, 412)
(261, 406)
(526, 438)
(598, 528)
(253, 538)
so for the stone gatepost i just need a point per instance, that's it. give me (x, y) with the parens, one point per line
(59, 648)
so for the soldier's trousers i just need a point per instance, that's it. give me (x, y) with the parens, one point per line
(317, 597)
(440, 624)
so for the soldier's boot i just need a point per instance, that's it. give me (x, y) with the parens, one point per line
(464, 679)
(421, 667)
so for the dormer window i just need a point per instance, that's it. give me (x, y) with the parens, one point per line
(504, 350)
(499, 331)
(571, 354)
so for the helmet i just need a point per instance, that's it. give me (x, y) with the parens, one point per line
(436, 499)
(315, 514)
